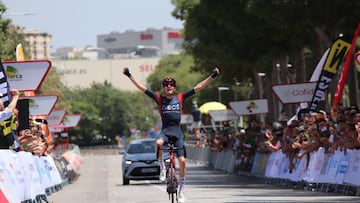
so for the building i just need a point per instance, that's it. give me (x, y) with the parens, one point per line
(130, 44)
(83, 73)
(148, 43)
(39, 44)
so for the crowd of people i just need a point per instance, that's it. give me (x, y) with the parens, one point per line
(25, 133)
(338, 129)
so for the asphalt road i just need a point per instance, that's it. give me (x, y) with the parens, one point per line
(101, 182)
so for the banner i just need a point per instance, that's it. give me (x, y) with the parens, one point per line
(336, 55)
(223, 115)
(26, 75)
(344, 73)
(5, 93)
(56, 116)
(250, 107)
(41, 104)
(294, 93)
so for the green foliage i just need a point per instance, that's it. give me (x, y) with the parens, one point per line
(108, 112)
(247, 36)
(10, 37)
(52, 85)
(180, 68)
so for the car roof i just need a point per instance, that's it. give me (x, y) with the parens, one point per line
(142, 140)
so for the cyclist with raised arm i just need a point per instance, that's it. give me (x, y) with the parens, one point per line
(170, 109)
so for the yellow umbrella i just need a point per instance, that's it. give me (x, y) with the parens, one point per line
(211, 106)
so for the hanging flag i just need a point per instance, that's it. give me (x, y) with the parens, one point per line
(5, 94)
(340, 86)
(336, 55)
(20, 53)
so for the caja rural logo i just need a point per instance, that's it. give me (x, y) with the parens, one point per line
(12, 73)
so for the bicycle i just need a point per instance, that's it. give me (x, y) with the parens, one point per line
(171, 180)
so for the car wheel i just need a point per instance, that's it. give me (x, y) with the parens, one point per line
(126, 181)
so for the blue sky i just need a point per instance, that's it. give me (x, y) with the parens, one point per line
(77, 22)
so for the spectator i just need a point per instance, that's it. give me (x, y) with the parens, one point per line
(6, 136)
(197, 123)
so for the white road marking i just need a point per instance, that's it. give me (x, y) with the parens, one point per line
(162, 188)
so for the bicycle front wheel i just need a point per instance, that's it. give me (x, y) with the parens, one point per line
(172, 185)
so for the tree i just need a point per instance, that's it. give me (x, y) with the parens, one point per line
(246, 37)
(10, 37)
(180, 68)
(108, 112)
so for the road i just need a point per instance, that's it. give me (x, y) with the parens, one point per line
(101, 182)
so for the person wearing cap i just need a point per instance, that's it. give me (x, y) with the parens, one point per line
(170, 109)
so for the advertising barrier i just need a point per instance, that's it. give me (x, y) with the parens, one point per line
(25, 177)
(340, 168)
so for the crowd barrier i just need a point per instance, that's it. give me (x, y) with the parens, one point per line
(25, 177)
(329, 172)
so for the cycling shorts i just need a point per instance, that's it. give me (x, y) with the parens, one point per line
(179, 144)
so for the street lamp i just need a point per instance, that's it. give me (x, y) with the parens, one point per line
(261, 90)
(222, 89)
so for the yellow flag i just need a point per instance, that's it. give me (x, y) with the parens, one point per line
(19, 53)
(20, 57)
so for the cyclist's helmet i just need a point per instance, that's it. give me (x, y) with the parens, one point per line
(169, 81)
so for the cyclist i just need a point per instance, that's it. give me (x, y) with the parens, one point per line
(170, 109)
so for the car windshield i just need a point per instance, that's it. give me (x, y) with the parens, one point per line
(145, 147)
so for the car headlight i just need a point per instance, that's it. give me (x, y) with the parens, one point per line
(128, 162)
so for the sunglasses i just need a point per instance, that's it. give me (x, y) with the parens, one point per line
(166, 84)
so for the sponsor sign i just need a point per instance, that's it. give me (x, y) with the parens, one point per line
(26, 75)
(250, 107)
(56, 116)
(223, 115)
(186, 119)
(336, 56)
(71, 120)
(41, 105)
(295, 93)
(56, 128)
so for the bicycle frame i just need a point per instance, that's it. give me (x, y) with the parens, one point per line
(172, 183)
(171, 180)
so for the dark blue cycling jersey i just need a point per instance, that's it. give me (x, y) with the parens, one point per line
(170, 111)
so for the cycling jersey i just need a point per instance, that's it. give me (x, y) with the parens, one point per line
(170, 111)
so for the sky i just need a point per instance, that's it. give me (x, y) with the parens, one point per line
(77, 22)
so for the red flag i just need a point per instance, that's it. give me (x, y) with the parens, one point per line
(340, 86)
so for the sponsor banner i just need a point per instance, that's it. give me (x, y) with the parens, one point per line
(26, 75)
(334, 59)
(71, 120)
(223, 115)
(12, 173)
(32, 175)
(41, 104)
(250, 107)
(186, 119)
(56, 128)
(5, 93)
(295, 93)
(56, 116)
(341, 83)
(353, 170)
